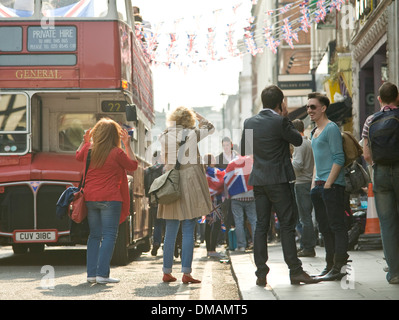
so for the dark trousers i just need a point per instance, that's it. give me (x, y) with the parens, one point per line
(212, 234)
(330, 215)
(281, 197)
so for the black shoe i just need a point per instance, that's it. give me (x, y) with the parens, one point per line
(325, 271)
(307, 253)
(154, 250)
(340, 262)
(261, 281)
(303, 277)
(332, 275)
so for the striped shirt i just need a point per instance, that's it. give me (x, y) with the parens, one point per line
(366, 126)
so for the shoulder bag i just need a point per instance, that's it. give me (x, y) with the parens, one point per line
(166, 188)
(356, 177)
(78, 209)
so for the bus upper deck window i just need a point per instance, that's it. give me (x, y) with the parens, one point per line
(75, 8)
(16, 8)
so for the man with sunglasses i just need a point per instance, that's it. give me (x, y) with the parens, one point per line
(267, 136)
(329, 186)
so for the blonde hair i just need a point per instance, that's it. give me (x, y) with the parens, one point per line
(106, 136)
(182, 116)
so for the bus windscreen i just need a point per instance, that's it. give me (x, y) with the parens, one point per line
(13, 123)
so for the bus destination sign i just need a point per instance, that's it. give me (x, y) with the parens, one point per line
(62, 38)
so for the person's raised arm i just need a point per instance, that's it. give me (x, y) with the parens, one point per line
(126, 142)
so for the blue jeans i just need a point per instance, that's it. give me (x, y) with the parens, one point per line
(281, 198)
(172, 228)
(103, 218)
(239, 208)
(386, 193)
(330, 215)
(304, 204)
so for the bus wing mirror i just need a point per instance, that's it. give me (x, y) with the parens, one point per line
(131, 112)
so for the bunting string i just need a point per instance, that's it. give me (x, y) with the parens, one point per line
(221, 39)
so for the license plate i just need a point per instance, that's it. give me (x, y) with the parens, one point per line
(35, 236)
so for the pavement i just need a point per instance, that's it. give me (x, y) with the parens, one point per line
(366, 279)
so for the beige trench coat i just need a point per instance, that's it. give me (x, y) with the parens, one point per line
(195, 200)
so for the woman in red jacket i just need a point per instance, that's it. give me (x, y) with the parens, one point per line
(106, 193)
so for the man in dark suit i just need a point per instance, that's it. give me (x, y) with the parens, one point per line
(267, 136)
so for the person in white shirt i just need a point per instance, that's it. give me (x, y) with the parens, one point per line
(228, 154)
(303, 163)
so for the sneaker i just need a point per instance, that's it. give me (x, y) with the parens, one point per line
(102, 280)
(242, 249)
(91, 279)
(217, 255)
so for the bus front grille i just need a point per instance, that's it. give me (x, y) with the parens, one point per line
(18, 212)
(16, 208)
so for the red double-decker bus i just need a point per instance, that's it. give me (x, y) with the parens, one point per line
(65, 64)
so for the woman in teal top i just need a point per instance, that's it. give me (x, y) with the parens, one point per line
(327, 149)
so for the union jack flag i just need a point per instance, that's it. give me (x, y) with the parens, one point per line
(215, 178)
(6, 12)
(223, 227)
(237, 175)
(202, 219)
(215, 214)
(83, 8)
(321, 13)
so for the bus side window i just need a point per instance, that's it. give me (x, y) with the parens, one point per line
(121, 8)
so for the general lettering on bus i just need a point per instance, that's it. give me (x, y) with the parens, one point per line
(38, 74)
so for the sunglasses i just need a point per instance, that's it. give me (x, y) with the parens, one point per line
(311, 107)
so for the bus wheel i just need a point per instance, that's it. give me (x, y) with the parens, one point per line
(121, 251)
(19, 248)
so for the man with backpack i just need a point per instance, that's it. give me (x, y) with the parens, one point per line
(381, 149)
(150, 174)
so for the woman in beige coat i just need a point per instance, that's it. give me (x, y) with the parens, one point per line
(195, 200)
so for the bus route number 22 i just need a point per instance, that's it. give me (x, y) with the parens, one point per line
(113, 106)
